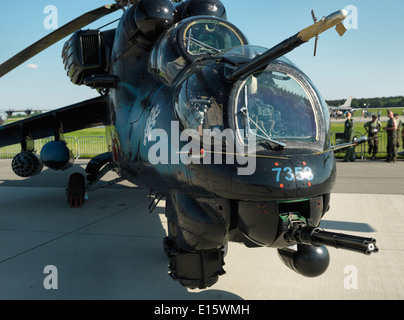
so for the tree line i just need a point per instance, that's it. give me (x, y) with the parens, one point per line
(379, 103)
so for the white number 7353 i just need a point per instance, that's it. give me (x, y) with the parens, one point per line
(291, 173)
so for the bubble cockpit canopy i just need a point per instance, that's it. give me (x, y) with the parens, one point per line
(189, 40)
(276, 104)
(210, 37)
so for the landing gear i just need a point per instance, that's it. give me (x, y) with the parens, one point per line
(77, 187)
(197, 241)
(76, 190)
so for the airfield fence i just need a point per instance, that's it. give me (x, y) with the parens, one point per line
(89, 146)
(82, 147)
(361, 150)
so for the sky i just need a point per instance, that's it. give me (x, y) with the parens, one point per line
(368, 61)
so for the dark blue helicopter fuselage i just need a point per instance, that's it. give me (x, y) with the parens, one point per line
(235, 137)
(142, 103)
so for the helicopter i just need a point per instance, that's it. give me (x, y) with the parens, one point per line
(235, 137)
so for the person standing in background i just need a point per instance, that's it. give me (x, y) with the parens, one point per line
(372, 129)
(349, 134)
(391, 138)
(399, 130)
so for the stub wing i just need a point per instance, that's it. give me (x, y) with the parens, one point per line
(86, 114)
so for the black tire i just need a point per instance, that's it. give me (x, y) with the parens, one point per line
(76, 190)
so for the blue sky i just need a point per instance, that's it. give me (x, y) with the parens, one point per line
(366, 62)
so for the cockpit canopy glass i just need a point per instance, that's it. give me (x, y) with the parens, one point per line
(210, 37)
(191, 39)
(275, 105)
(199, 102)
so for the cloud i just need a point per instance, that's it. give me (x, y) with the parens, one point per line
(32, 66)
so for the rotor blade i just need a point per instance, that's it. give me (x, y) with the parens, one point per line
(55, 36)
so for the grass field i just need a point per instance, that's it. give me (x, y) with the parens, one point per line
(87, 132)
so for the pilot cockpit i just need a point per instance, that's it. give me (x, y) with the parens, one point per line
(207, 37)
(191, 39)
(276, 104)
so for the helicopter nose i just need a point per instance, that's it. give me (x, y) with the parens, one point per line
(273, 178)
(292, 177)
(299, 184)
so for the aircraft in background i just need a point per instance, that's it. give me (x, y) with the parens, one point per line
(344, 107)
(339, 112)
(5, 114)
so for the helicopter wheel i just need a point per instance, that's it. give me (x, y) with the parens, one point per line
(76, 190)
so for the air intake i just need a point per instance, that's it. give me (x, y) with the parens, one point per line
(91, 49)
(84, 55)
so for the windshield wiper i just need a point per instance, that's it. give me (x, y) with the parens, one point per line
(201, 44)
(281, 145)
